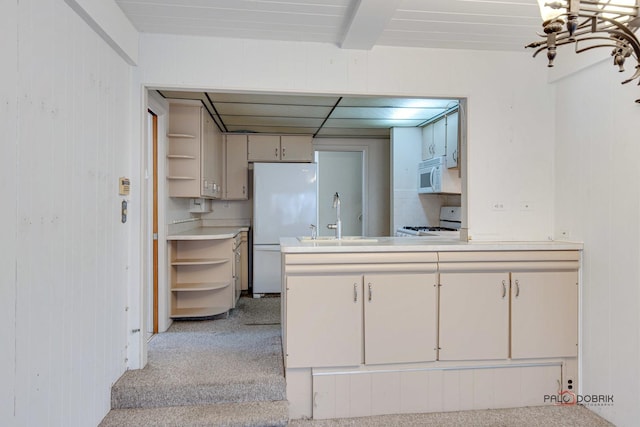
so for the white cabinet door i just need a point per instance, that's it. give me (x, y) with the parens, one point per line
(210, 158)
(324, 321)
(400, 312)
(474, 316)
(452, 140)
(296, 148)
(264, 148)
(428, 145)
(544, 314)
(440, 137)
(236, 168)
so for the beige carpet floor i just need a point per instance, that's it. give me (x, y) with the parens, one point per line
(538, 416)
(244, 349)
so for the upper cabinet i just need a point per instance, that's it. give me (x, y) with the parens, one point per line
(236, 168)
(428, 146)
(452, 139)
(441, 138)
(194, 155)
(280, 148)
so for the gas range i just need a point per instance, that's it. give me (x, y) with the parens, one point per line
(424, 229)
(449, 227)
(427, 231)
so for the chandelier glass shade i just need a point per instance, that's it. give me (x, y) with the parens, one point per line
(590, 24)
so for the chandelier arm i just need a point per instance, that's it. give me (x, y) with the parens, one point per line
(624, 32)
(564, 35)
(539, 50)
(636, 75)
(584, 49)
(567, 41)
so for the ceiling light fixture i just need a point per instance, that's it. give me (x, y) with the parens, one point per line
(591, 24)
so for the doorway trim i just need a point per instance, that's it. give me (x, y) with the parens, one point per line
(158, 106)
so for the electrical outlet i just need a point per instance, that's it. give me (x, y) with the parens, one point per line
(564, 235)
(498, 206)
(526, 206)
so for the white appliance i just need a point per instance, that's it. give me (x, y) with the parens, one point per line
(449, 228)
(284, 205)
(434, 177)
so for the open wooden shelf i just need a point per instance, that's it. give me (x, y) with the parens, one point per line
(180, 156)
(201, 277)
(195, 287)
(184, 178)
(198, 311)
(181, 135)
(199, 261)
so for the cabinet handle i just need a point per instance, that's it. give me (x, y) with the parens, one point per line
(517, 288)
(370, 292)
(504, 289)
(244, 189)
(355, 292)
(276, 153)
(283, 153)
(455, 156)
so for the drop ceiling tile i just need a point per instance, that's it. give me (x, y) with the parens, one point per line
(328, 101)
(385, 113)
(371, 123)
(353, 133)
(271, 110)
(271, 121)
(272, 129)
(396, 102)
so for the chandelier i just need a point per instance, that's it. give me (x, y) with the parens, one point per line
(591, 24)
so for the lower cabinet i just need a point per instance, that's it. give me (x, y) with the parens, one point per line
(244, 261)
(342, 320)
(237, 269)
(401, 332)
(201, 277)
(528, 312)
(544, 314)
(400, 318)
(474, 316)
(324, 320)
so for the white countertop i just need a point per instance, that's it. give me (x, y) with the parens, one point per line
(413, 244)
(207, 233)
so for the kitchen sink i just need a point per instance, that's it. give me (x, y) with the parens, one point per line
(332, 239)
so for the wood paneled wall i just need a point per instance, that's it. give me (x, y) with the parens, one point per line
(65, 141)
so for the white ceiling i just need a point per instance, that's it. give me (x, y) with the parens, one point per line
(357, 24)
(349, 24)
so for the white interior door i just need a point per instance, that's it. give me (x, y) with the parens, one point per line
(341, 172)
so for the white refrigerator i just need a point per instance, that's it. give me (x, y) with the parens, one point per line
(284, 205)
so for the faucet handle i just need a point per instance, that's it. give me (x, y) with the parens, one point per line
(313, 231)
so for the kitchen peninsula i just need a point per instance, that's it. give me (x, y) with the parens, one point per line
(394, 325)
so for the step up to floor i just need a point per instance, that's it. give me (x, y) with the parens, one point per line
(247, 414)
(136, 395)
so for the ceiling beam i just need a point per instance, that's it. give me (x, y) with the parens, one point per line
(369, 19)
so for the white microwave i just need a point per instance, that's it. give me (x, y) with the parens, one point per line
(434, 177)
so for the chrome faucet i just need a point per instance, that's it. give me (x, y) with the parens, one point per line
(338, 225)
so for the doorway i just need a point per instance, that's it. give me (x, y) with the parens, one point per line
(151, 290)
(340, 172)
